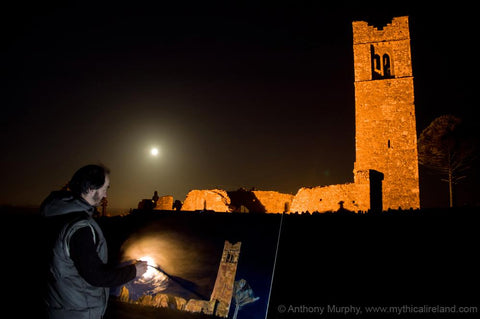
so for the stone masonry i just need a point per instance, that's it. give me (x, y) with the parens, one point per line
(210, 199)
(164, 203)
(385, 125)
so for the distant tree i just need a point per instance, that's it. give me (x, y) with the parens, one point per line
(447, 148)
(243, 295)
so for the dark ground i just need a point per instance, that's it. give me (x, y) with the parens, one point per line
(120, 310)
(397, 258)
(418, 258)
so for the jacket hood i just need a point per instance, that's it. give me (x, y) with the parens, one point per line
(62, 202)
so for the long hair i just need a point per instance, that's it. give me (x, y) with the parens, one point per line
(89, 177)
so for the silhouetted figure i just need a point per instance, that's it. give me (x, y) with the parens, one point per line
(177, 205)
(342, 209)
(155, 198)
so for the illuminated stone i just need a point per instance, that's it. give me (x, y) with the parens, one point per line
(211, 199)
(124, 294)
(164, 203)
(385, 125)
(200, 306)
(274, 202)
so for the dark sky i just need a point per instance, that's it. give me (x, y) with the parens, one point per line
(244, 94)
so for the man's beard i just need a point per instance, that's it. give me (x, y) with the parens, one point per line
(96, 198)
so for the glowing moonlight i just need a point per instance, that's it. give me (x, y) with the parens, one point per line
(154, 151)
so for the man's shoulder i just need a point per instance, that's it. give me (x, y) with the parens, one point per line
(64, 203)
(66, 220)
(73, 217)
(78, 219)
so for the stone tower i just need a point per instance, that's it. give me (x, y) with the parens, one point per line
(385, 125)
(223, 290)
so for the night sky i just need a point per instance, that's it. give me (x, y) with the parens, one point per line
(244, 94)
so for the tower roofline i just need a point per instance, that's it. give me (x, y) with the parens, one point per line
(397, 29)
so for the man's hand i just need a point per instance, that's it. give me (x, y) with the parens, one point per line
(141, 267)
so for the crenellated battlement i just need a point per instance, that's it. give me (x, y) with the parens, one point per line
(398, 29)
(382, 54)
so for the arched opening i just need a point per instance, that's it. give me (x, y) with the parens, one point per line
(376, 64)
(387, 72)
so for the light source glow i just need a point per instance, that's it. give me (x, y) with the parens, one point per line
(151, 272)
(154, 151)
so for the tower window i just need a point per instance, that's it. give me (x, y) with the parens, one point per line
(376, 64)
(386, 66)
(381, 64)
(388, 143)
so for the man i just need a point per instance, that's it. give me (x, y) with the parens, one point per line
(78, 278)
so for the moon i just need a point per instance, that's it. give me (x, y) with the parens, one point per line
(154, 151)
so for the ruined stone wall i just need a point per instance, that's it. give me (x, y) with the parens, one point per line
(355, 197)
(385, 124)
(200, 306)
(164, 203)
(219, 201)
(212, 199)
(161, 300)
(274, 202)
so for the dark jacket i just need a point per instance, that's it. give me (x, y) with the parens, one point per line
(69, 294)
